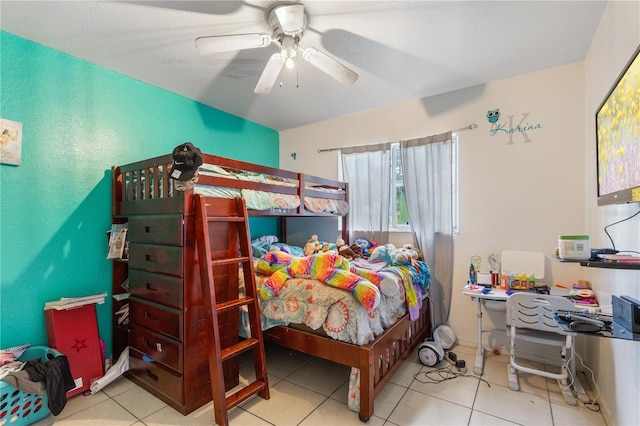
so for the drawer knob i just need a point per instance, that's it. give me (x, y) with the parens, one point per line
(153, 376)
(157, 346)
(151, 287)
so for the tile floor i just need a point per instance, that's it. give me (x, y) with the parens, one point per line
(310, 391)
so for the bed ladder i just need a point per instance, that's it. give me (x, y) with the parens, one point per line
(223, 221)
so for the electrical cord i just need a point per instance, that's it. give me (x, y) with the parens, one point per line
(439, 375)
(615, 223)
(593, 404)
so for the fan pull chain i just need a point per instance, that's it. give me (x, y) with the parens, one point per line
(297, 70)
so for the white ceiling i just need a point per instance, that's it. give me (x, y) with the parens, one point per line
(402, 50)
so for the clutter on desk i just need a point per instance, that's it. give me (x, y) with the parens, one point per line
(473, 275)
(494, 270)
(474, 269)
(624, 324)
(582, 295)
(516, 282)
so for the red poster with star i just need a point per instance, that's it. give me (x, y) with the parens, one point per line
(74, 333)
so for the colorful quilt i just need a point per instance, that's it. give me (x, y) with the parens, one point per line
(337, 312)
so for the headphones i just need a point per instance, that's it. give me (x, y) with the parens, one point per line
(431, 352)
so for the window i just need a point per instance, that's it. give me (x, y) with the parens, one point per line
(374, 167)
(398, 214)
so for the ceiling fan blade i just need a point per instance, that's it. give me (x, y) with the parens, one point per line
(228, 43)
(270, 74)
(291, 17)
(330, 66)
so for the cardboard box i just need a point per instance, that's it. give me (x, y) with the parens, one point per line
(74, 333)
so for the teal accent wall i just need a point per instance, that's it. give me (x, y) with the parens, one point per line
(78, 121)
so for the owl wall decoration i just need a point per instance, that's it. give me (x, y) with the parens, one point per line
(493, 116)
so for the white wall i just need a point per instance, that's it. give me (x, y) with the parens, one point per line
(512, 196)
(520, 195)
(616, 362)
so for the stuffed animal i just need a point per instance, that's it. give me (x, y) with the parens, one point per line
(366, 246)
(272, 262)
(330, 268)
(345, 251)
(381, 254)
(312, 246)
(411, 251)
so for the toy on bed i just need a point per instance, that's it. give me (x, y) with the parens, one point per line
(313, 246)
(348, 252)
(391, 255)
(266, 243)
(332, 269)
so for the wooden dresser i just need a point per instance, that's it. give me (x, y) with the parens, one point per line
(166, 331)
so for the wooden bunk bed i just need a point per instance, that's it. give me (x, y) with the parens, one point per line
(168, 354)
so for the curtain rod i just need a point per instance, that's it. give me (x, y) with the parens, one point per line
(461, 129)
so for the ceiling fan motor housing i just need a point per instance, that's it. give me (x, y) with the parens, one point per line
(285, 20)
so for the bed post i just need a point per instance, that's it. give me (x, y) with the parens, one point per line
(367, 381)
(116, 190)
(345, 222)
(301, 191)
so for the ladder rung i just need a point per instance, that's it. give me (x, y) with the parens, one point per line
(221, 307)
(244, 393)
(225, 219)
(212, 254)
(238, 348)
(230, 261)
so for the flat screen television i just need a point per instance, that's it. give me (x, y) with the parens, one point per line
(618, 138)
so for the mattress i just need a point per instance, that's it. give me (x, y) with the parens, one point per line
(262, 200)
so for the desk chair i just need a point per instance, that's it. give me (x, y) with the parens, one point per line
(530, 317)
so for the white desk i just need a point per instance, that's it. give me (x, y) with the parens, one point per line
(498, 298)
(513, 260)
(495, 295)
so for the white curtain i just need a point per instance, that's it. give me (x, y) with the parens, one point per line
(427, 165)
(367, 171)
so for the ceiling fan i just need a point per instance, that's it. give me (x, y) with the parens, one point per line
(287, 22)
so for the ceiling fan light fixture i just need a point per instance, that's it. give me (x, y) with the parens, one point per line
(290, 63)
(289, 50)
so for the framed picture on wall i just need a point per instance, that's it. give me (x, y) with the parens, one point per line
(10, 142)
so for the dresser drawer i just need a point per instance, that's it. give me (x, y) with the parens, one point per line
(162, 289)
(156, 229)
(156, 258)
(156, 317)
(161, 348)
(156, 376)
